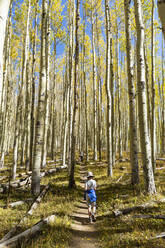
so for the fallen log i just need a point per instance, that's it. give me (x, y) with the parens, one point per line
(118, 180)
(30, 212)
(161, 235)
(124, 211)
(161, 159)
(18, 203)
(51, 171)
(15, 204)
(36, 202)
(21, 182)
(122, 160)
(160, 168)
(3, 177)
(16, 184)
(29, 233)
(149, 216)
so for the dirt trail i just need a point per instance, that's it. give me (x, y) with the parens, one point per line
(84, 233)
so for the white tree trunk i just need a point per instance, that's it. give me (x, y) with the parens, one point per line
(94, 88)
(76, 77)
(4, 8)
(153, 128)
(132, 100)
(40, 120)
(109, 102)
(47, 115)
(142, 102)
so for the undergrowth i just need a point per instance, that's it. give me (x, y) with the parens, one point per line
(59, 201)
(127, 231)
(113, 193)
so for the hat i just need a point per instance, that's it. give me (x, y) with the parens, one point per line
(90, 174)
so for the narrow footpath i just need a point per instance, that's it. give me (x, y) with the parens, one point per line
(84, 233)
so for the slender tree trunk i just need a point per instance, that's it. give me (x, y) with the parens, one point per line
(24, 87)
(66, 118)
(4, 8)
(142, 103)
(85, 92)
(99, 92)
(73, 138)
(32, 126)
(94, 87)
(153, 137)
(132, 99)
(112, 102)
(161, 11)
(47, 115)
(71, 76)
(6, 92)
(163, 105)
(109, 100)
(40, 120)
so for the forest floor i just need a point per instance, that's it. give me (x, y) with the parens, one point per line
(137, 228)
(84, 233)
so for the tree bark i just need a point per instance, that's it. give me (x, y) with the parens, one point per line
(76, 77)
(107, 81)
(40, 120)
(161, 11)
(132, 100)
(94, 86)
(4, 8)
(142, 104)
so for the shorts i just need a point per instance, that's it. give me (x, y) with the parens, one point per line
(89, 203)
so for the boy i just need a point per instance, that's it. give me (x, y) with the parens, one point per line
(90, 196)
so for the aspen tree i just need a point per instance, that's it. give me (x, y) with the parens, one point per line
(84, 85)
(132, 103)
(161, 11)
(24, 105)
(71, 76)
(53, 104)
(147, 88)
(47, 103)
(40, 120)
(99, 92)
(27, 116)
(4, 8)
(20, 101)
(118, 85)
(6, 91)
(94, 84)
(75, 95)
(153, 137)
(142, 106)
(66, 115)
(112, 101)
(163, 104)
(107, 81)
(33, 89)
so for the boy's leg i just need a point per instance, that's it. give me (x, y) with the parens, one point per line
(93, 211)
(90, 212)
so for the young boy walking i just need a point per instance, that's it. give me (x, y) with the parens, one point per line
(90, 196)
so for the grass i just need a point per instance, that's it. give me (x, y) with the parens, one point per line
(127, 231)
(59, 201)
(122, 232)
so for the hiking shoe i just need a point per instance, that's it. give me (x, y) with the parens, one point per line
(90, 219)
(93, 218)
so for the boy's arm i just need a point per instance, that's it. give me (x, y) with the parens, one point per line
(85, 186)
(95, 185)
